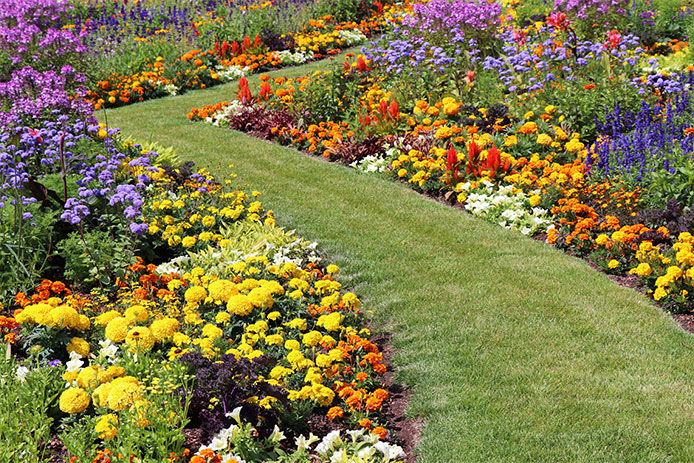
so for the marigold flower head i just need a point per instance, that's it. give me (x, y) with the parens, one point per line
(74, 400)
(240, 305)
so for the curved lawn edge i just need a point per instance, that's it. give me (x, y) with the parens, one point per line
(515, 351)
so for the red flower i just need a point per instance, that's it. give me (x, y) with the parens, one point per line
(394, 109)
(558, 20)
(614, 39)
(588, 87)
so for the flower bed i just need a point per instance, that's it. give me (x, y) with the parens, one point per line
(580, 141)
(150, 312)
(239, 338)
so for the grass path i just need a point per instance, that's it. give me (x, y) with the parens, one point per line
(515, 351)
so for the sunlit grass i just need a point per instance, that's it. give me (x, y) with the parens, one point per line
(514, 350)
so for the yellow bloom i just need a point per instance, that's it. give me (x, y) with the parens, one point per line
(74, 400)
(164, 329)
(240, 305)
(140, 339)
(195, 294)
(117, 329)
(124, 392)
(222, 290)
(79, 346)
(212, 331)
(136, 314)
(107, 426)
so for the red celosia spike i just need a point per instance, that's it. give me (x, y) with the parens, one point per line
(257, 42)
(383, 107)
(452, 158)
(473, 151)
(235, 48)
(361, 64)
(394, 109)
(494, 158)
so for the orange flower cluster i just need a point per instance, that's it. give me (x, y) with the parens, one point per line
(43, 291)
(148, 285)
(206, 111)
(323, 136)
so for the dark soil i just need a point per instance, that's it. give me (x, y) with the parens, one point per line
(406, 432)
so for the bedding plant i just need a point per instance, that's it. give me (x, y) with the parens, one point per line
(148, 311)
(551, 124)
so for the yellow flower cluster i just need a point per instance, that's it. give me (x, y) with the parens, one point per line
(58, 316)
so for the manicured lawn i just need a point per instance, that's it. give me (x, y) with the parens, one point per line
(514, 350)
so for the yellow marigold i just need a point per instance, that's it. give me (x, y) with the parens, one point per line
(117, 329)
(642, 270)
(107, 426)
(79, 346)
(544, 139)
(574, 145)
(240, 305)
(292, 344)
(351, 300)
(332, 269)
(602, 239)
(64, 316)
(74, 400)
(323, 360)
(249, 283)
(297, 324)
(659, 293)
(139, 339)
(195, 295)
(88, 378)
(312, 338)
(331, 300)
(261, 298)
(180, 339)
(510, 141)
(222, 318)
(164, 329)
(528, 128)
(100, 395)
(83, 323)
(189, 241)
(274, 340)
(222, 290)
(322, 394)
(212, 331)
(330, 322)
(32, 313)
(136, 314)
(273, 286)
(613, 264)
(124, 392)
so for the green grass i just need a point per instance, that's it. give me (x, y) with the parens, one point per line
(514, 350)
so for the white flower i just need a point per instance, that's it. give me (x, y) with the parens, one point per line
(355, 434)
(228, 458)
(22, 373)
(327, 442)
(276, 435)
(235, 414)
(108, 349)
(303, 443)
(338, 456)
(75, 362)
(218, 443)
